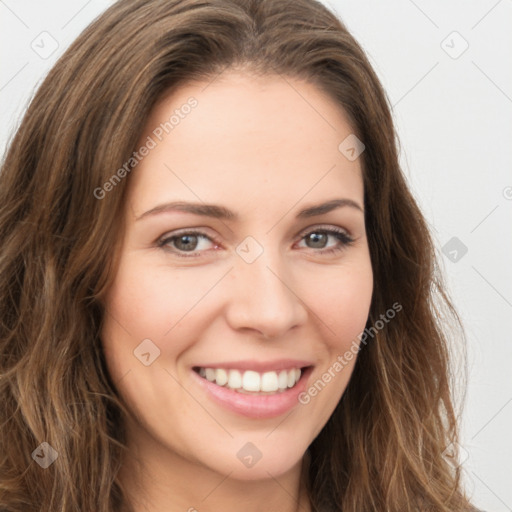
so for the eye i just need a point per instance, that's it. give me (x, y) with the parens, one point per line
(319, 239)
(186, 241)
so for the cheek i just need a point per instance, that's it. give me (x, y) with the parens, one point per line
(340, 300)
(136, 310)
(148, 302)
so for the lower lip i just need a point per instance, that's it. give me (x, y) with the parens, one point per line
(255, 406)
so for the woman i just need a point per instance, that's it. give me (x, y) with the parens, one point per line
(217, 290)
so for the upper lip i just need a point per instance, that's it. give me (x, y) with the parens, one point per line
(259, 366)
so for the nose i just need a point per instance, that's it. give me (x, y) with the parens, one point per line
(264, 297)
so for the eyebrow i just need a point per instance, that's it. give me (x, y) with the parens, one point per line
(223, 213)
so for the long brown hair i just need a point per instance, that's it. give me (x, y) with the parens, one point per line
(382, 449)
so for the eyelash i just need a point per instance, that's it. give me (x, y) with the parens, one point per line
(341, 235)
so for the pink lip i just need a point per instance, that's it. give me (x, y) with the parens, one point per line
(254, 406)
(259, 366)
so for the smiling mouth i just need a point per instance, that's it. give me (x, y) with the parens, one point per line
(252, 382)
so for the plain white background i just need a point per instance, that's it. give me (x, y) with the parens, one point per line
(446, 69)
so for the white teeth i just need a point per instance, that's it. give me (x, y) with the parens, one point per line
(221, 376)
(283, 379)
(251, 381)
(235, 379)
(210, 374)
(269, 381)
(291, 378)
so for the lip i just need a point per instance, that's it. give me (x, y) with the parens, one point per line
(258, 366)
(254, 406)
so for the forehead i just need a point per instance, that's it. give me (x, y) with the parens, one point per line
(245, 138)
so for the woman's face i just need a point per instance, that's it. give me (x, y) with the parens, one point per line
(260, 269)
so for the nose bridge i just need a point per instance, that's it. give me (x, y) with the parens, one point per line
(263, 297)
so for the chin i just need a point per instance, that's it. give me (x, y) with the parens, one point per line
(251, 463)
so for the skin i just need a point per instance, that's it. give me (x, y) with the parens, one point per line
(264, 148)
